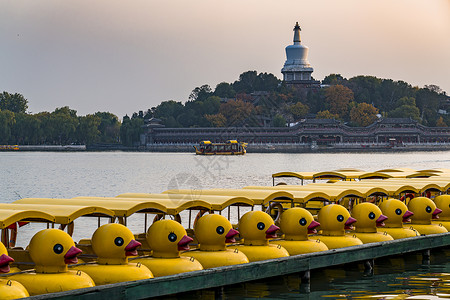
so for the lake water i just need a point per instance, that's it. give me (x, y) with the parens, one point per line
(67, 175)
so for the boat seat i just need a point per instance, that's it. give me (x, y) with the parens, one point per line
(22, 258)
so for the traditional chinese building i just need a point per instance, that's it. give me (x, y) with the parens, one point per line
(318, 131)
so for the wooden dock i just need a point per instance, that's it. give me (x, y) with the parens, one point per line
(218, 277)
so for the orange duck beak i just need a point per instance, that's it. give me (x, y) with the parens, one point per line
(230, 236)
(380, 220)
(5, 260)
(350, 221)
(270, 232)
(183, 244)
(131, 248)
(436, 212)
(70, 257)
(312, 227)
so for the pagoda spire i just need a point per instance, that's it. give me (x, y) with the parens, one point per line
(297, 30)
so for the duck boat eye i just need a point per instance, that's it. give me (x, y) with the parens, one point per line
(261, 225)
(172, 237)
(428, 209)
(398, 211)
(340, 218)
(220, 230)
(371, 215)
(118, 241)
(58, 248)
(302, 221)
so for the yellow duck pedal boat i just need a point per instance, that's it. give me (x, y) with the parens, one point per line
(167, 238)
(257, 227)
(397, 213)
(334, 219)
(9, 289)
(424, 210)
(52, 250)
(113, 243)
(213, 232)
(443, 203)
(296, 223)
(369, 217)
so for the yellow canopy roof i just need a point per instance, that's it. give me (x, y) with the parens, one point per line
(121, 208)
(10, 216)
(258, 197)
(196, 197)
(397, 170)
(311, 192)
(392, 187)
(299, 175)
(64, 214)
(170, 205)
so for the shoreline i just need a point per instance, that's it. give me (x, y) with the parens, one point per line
(252, 148)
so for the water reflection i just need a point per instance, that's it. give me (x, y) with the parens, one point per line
(400, 277)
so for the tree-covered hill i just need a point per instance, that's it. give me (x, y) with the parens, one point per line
(252, 100)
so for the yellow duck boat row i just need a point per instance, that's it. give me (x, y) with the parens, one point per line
(345, 213)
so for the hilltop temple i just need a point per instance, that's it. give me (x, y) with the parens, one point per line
(297, 70)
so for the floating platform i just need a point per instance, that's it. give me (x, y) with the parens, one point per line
(222, 276)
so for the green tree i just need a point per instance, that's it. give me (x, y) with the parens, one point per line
(27, 129)
(224, 90)
(168, 112)
(7, 120)
(13, 102)
(363, 114)
(131, 130)
(298, 110)
(334, 79)
(279, 121)
(200, 93)
(405, 111)
(64, 123)
(109, 127)
(87, 130)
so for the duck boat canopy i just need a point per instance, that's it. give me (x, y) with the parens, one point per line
(230, 147)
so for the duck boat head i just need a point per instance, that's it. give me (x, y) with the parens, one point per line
(257, 227)
(334, 219)
(296, 223)
(113, 243)
(369, 217)
(167, 238)
(213, 232)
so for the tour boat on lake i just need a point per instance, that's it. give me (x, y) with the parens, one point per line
(230, 147)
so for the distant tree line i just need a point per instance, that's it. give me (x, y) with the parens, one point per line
(252, 100)
(61, 126)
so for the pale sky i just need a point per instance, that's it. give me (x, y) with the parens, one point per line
(126, 56)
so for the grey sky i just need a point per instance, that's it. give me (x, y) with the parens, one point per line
(126, 56)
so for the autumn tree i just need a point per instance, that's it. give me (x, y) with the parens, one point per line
(217, 120)
(236, 111)
(325, 114)
(363, 114)
(440, 122)
(338, 98)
